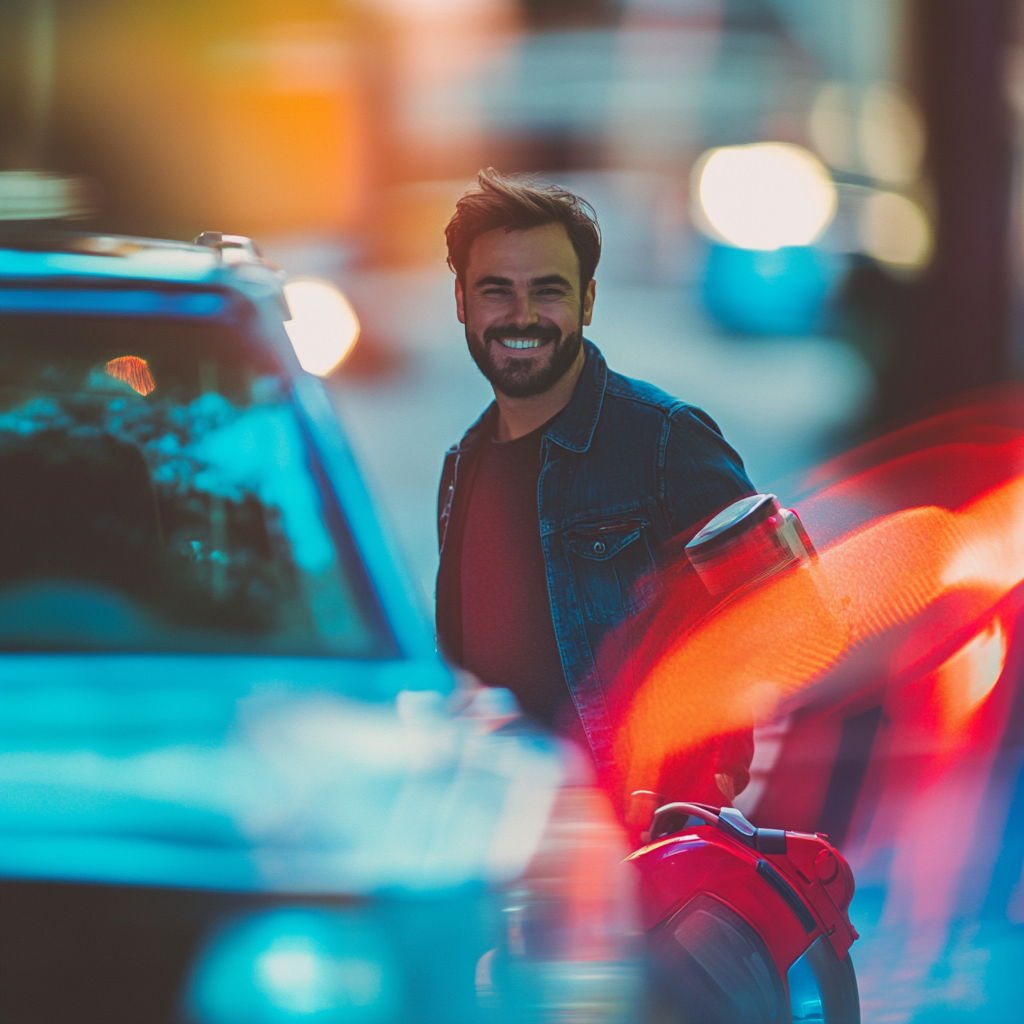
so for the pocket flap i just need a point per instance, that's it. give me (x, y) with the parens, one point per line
(602, 540)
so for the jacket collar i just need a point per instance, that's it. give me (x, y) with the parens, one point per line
(574, 426)
(484, 425)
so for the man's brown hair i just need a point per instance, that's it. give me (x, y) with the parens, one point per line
(516, 204)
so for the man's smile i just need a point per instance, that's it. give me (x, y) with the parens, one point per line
(521, 342)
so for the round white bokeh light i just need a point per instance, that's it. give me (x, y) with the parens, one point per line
(763, 196)
(324, 326)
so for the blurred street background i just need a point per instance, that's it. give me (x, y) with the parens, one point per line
(339, 133)
(811, 208)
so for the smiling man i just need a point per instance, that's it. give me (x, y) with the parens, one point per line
(556, 505)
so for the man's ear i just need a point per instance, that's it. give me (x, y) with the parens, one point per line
(588, 302)
(460, 301)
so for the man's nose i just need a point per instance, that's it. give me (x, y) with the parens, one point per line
(523, 312)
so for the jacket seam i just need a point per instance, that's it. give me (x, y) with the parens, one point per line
(668, 408)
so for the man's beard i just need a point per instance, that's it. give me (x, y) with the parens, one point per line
(523, 378)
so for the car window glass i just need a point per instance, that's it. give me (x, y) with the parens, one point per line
(158, 493)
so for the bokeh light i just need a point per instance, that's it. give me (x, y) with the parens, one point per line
(831, 126)
(895, 230)
(877, 131)
(764, 196)
(297, 963)
(890, 134)
(324, 327)
(783, 291)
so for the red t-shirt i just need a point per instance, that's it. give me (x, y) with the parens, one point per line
(508, 638)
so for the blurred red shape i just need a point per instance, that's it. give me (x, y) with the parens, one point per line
(921, 547)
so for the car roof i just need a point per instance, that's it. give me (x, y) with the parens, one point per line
(66, 257)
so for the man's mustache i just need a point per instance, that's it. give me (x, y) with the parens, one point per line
(541, 333)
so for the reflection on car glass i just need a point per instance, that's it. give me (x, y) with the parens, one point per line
(133, 371)
(188, 515)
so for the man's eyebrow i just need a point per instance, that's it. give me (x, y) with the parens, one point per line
(539, 282)
(536, 282)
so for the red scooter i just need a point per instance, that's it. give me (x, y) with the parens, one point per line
(745, 925)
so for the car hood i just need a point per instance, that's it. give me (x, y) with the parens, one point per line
(261, 774)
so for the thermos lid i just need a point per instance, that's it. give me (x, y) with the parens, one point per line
(735, 519)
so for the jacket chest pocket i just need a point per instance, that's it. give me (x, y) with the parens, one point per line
(612, 566)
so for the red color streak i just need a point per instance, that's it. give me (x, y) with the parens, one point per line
(893, 597)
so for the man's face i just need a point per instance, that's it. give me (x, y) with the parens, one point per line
(523, 308)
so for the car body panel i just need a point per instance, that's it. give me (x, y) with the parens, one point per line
(172, 769)
(258, 774)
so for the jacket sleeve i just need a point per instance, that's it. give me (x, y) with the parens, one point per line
(447, 595)
(701, 472)
(704, 474)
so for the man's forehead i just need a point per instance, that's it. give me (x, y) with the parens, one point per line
(523, 253)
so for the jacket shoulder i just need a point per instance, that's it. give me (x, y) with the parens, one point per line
(643, 403)
(632, 390)
(645, 400)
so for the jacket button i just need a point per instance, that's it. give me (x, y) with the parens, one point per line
(599, 548)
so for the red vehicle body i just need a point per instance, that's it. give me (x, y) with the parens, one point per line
(746, 924)
(885, 676)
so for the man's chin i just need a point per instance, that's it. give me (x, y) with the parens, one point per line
(520, 379)
(521, 386)
(525, 376)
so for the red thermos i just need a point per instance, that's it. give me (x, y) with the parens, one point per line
(749, 540)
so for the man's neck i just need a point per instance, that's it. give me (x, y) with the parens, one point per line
(518, 417)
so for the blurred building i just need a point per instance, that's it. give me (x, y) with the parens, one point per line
(188, 116)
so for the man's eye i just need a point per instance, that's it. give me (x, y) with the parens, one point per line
(495, 291)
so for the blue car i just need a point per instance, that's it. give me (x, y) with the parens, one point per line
(237, 784)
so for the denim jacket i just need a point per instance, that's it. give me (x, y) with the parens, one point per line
(624, 469)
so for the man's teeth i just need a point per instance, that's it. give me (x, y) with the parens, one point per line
(521, 342)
